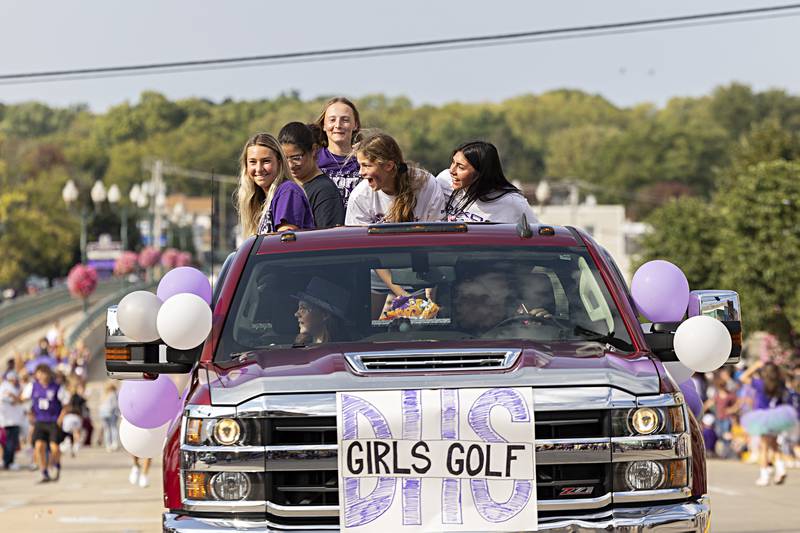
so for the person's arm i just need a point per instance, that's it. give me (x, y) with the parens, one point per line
(747, 376)
(290, 208)
(27, 391)
(434, 198)
(386, 277)
(528, 210)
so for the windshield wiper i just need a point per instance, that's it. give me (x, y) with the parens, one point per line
(608, 338)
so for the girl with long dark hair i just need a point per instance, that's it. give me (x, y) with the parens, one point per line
(478, 191)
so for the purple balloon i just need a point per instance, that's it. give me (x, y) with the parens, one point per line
(660, 291)
(184, 279)
(149, 404)
(689, 390)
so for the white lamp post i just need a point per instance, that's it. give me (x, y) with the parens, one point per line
(70, 195)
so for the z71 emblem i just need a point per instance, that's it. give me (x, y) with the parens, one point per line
(576, 491)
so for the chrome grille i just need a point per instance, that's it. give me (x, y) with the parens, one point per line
(431, 360)
(574, 447)
(302, 477)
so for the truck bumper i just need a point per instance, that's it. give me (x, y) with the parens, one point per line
(693, 516)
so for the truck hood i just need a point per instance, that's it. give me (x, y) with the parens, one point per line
(325, 369)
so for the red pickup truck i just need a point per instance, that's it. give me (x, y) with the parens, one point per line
(428, 377)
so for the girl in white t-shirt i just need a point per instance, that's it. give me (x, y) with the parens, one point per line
(478, 191)
(391, 190)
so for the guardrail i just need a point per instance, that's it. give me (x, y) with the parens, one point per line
(29, 312)
(97, 311)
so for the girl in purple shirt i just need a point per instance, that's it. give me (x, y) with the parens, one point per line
(268, 200)
(340, 125)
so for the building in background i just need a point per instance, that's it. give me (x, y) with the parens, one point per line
(559, 204)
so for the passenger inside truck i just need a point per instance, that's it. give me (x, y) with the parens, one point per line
(295, 301)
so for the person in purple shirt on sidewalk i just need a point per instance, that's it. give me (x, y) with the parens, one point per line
(47, 403)
(268, 200)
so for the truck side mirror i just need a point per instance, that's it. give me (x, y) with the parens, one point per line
(720, 304)
(129, 359)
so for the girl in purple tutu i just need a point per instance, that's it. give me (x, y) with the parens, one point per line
(771, 415)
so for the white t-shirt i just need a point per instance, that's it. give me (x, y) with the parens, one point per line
(366, 206)
(508, 208)
(11, 414)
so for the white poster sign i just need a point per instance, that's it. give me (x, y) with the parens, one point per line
(437, 460)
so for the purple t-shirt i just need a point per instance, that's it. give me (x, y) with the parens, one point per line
(45, 403)
(342, 169)
(289, 206)
(762, 401)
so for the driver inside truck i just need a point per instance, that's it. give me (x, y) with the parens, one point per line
(484, 301)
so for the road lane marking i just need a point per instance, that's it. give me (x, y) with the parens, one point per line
(12, 504)
(106, 520)
(725, 492)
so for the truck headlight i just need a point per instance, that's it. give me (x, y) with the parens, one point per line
(230, 486)
(651, 475)
(227, 431)
(644, 475)
(645, 420)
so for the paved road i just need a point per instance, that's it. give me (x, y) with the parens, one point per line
(738, 506)
(94, 495)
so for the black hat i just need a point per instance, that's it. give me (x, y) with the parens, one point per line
(325, 295)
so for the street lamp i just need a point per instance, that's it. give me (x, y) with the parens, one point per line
(70, 195)
(114, 197)
(176, 218)
(98, 193)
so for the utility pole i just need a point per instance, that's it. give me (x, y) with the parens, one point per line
(158, 186)
(223, 179)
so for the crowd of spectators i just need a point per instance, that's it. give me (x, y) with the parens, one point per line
(69, 368)
(729, 394)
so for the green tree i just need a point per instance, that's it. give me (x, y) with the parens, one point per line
(759, 245)
(684, 232)
(33, 240)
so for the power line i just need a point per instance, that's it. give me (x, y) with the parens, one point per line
(554, 34)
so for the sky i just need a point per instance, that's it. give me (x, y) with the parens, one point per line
(626, 69)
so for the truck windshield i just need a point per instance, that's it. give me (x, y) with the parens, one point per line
(407, 295)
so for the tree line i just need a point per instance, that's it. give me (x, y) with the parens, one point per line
(685, 167)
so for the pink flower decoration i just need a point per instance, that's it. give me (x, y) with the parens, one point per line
(82, 281)
(125, 263)
(148, 257)
(169, 258)
(184, 259)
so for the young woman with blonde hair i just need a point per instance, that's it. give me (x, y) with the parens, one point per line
(340, 125)
(268, 200)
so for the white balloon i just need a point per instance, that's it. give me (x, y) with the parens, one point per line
(184, 321)
(678, 371)
(702, 343)
(141, 442)
(136, 316)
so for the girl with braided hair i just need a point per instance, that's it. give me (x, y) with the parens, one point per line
(391, 190)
